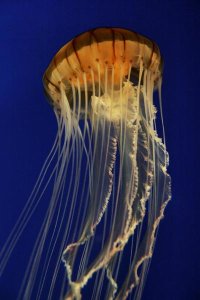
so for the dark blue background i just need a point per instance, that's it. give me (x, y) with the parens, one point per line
(31, 32)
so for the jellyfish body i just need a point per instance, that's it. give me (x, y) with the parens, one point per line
(110, 179)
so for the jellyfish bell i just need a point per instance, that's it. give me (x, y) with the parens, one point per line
(110, 178)
(96, 53)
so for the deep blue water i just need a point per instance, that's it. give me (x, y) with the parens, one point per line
(31, 32)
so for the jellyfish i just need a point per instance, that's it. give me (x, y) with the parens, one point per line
(108, 167)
